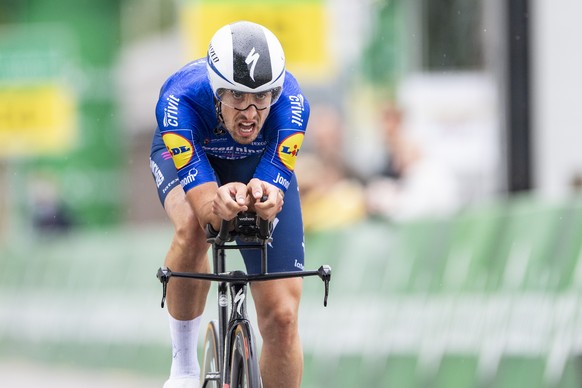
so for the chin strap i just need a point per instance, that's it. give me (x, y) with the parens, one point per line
(219, 130)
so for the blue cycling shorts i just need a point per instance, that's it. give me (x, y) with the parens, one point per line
(286, 251)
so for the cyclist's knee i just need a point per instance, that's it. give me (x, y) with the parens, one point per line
(277, 305)
(190, 237)
(279, 324)
(188, 229)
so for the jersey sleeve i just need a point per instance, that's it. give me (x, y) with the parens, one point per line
(289, 120)
(189, 158)
(180, 126)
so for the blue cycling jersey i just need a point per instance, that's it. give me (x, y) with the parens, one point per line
(190, 130)
(190, 148)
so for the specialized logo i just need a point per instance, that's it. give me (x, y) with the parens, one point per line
(289, 148)
(179, 147)
(239, 300)
(252, 60)
(250, 68)
(275, 222)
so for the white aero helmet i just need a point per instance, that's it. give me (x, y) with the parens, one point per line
(246, 57)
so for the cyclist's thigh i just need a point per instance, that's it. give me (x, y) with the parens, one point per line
(172, 195)
(277, 298)
(180, 212)
(285, 252)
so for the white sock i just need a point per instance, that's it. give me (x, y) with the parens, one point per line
(184, 335)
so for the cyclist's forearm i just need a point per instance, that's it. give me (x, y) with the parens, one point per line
(201, 199)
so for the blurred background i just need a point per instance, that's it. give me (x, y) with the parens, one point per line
(440, 178)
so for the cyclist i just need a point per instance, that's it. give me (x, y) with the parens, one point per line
(230, 126)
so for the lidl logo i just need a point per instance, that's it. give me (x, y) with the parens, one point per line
(179, 147)
(289, 148)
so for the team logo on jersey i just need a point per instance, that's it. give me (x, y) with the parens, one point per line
(190, 178)
(171, 111)
(289, 148)
(297, 109)
(179, 147)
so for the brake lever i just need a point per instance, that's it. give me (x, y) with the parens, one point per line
(324, 273)
(163, 275)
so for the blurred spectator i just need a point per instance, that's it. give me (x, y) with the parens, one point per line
(48, 211)
(412, 184)
(576, 183)
(331, 194)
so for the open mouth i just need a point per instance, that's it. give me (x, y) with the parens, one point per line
(246, 128)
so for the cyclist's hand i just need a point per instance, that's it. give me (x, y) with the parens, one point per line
(273, 204)
(230, 199)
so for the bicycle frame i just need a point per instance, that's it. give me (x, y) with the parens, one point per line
(250, 229)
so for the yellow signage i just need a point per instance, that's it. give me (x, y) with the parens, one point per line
(36, 119)
(301, 26)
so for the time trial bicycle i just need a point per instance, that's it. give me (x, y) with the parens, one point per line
(229, 356)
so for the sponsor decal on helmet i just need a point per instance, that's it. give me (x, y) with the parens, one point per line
(212, 54)
(289, 148)
(179, 147)
(252, 60)
(251, 57)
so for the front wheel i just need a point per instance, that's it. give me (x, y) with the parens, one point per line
(244, 372)
(210, 371)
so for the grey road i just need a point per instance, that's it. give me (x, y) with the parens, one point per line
(21, 374)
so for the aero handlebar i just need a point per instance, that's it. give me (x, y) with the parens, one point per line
(247, 226)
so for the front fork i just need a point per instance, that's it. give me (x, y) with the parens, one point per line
(238, 312)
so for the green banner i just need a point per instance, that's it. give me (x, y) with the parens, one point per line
(58, 101)
(38, 106)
